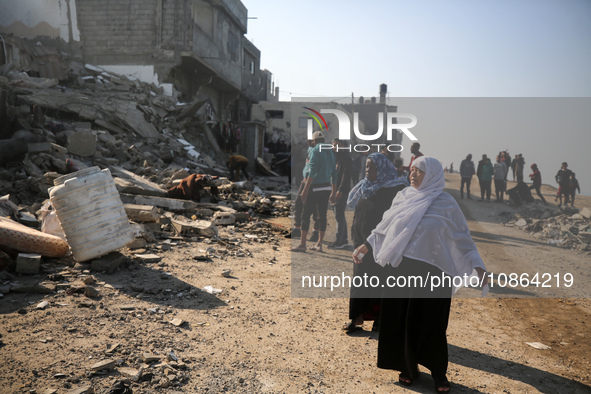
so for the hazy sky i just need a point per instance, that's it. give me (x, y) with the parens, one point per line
(452, 48)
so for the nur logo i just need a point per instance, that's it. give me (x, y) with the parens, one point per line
(345, 128)
(310, 125)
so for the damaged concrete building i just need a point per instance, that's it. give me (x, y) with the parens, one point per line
(193, 50)
(287, 123)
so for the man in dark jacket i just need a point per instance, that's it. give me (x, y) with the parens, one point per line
(563, 180)
(479, 172)
(338, 199)
(466, 172)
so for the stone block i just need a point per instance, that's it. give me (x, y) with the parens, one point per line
(242, 216)
(28, 263)
(141, 213)
(150, 358)
(37, 147)
(110, 262)
(149, 258)
(55, 148)
(224, 219)
(104, 365)
(82, 143)
(82, 390)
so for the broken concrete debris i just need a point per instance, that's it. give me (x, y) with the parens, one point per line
(564, 226)
(128, 127)
(150, 143)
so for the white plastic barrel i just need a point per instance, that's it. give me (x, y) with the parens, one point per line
(90, 212)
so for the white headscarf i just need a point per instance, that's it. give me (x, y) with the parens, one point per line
(426, 224)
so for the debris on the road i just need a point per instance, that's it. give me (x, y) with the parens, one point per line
(538, 345)
(104, 365)
(563, 226)
(211, 290)
(28, 263)
(177, 322)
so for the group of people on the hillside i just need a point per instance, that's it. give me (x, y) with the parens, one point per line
(486, 172)
(404, 226)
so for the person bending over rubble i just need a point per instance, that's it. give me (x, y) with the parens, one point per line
(193, 188)
(235, 164)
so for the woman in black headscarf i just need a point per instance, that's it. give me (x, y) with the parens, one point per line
(371, 197)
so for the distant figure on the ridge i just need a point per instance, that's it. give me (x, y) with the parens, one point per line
(573, 187)
(466, 172)
(519, 165)
(500, 175)
(479, 173)
(451, 168)
(536, 178)
(563, 179)
(506, 158)
(486, 175)
(414, 149)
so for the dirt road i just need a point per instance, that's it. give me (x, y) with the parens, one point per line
(255, 337)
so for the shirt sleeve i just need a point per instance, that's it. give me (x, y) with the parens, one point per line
(314, 164)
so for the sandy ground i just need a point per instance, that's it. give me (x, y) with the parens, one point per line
(255, 337)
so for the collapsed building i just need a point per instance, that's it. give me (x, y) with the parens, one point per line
(152, 92)
(194, 52)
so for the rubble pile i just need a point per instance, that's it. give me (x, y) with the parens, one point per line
(565, 226)
(98, 118)
(147, 139)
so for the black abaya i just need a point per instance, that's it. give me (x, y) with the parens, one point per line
(414, 323)
(368, 213)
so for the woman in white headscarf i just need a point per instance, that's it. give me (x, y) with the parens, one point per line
(423, 234)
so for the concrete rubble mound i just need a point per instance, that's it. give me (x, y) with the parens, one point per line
(149, 142)
(565, 226)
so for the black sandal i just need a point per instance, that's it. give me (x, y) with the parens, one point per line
(442, 383)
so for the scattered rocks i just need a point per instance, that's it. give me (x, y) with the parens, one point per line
(565, 226)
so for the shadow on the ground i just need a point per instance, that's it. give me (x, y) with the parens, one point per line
(503, 239)
(541, 381)
(158, 288)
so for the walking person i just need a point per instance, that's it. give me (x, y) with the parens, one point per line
(423, 234)
(500, 176)
(563, 179)
(320, 182)
(573, 187)
(338, 199)
(536, 178)
(486, 176)
(466, 172)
